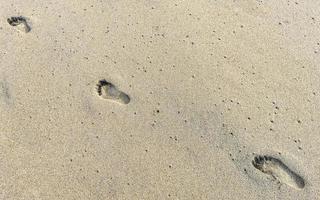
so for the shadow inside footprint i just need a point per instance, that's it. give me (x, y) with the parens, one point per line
(278, 170)
(107, 90)
(15, 21)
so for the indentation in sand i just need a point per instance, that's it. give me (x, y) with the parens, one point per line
(278, 170)
(5, 95)
(15, 21)
(107, 90)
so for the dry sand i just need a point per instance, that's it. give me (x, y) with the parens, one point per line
(223, 100)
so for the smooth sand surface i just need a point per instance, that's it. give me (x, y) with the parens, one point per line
(212, 86)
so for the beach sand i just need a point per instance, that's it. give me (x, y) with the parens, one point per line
(159, 100)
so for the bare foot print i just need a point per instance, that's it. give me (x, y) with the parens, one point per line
(5, 95)
(107, 90)
(278, 170)
(15, 21)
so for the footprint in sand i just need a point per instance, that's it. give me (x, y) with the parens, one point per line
(278, 170)
(15, 21)
(107, 90)
(5, 94)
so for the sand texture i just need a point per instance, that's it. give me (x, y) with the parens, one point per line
(159, 100)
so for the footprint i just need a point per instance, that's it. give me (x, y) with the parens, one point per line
(107, 90)
(5, 92)
(15, 21)
(278, 170)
